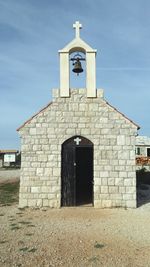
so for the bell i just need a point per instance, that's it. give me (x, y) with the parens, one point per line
(77, 67)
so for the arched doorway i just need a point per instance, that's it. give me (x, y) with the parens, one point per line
(77, 172)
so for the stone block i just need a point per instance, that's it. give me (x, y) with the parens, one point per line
(97, 204)
(111, 181)
(56, 172)
(48, 171)
(85, 131)
(128, 182)
(119, 181)
(130, 189)
(104, 189)
(114, 174)
(82, 107)
(128, 140)
(121, 139)
(71, 132)
(51, 196)
(123, 155)
(100, 93)
(123, 174)
(104, 131)
(54, 189)
(32, 131)
(122, 189)
(32, 202)
(117, 196)
(103, 196)
(24, 189)
(104, 174)
(97, 189)
(23, 202)
(54, 203)
(40, 171)
(45, 203)
(35, 189)
(97, 181)
(131, 204)
(113, 189)
(106, 203)
(122, 162)
(104, 181)
(45, 148)
(45, 189)
(42, 196)
(42, 158)
(127, 196)
(132, 154)
(39, 203)
(93, 106)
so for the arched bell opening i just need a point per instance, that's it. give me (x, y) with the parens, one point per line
(77, 70)
(77, 172)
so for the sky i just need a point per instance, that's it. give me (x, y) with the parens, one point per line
(32, 32)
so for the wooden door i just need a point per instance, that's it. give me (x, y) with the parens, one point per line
(76, 172)
(84, 175)
(68, 176)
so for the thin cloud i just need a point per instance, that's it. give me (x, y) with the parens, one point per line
(32, 32)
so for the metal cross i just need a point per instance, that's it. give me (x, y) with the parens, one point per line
(77, 26)
(77, 140)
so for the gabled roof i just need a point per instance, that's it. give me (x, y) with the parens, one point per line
(44, 108)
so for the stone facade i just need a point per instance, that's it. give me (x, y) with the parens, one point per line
(112, 134)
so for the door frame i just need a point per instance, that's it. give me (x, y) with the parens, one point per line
(71, 143)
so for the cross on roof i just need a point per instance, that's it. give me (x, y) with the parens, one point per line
(77, 26)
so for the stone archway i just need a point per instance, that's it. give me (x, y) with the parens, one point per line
(77, 172)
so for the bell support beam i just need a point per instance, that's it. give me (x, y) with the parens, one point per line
(91, 74)
(64, 74)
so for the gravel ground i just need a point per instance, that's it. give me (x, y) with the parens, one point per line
(76, 237)
(7, 175)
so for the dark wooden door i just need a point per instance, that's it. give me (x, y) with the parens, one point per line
(84, 175)
(77, 172)
(68, 176)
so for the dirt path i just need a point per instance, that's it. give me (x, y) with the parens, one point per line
(83, 237)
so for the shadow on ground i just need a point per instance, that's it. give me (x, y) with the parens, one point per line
(9, 193)
(143, 187)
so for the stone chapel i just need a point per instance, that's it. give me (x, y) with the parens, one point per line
(79, 149)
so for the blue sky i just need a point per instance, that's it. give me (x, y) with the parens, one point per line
(32, 32)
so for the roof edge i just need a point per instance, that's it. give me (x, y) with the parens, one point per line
(29, 120)
(138, 127)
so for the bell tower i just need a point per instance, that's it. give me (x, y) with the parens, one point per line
(77, 45)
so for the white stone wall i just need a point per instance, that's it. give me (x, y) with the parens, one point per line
(113, 137)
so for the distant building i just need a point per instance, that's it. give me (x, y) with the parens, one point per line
(8, 157)
(143, 151)
(143, 146)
